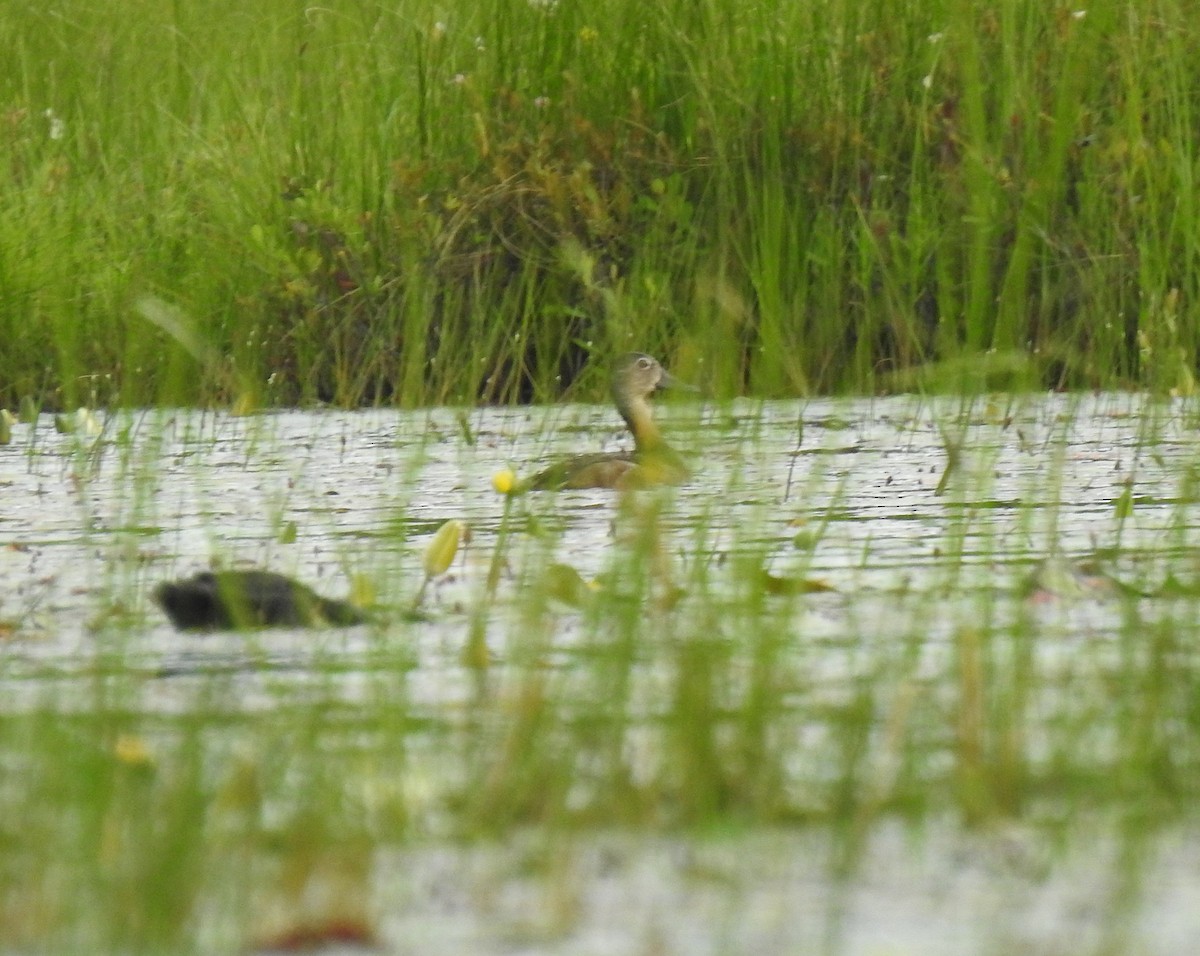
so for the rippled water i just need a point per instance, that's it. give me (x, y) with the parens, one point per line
(89, 525)
(841, 491)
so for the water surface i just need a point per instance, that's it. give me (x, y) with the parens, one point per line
(852, 494)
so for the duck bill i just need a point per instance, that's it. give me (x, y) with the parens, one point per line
(670, 381)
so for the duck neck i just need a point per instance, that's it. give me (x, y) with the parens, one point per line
(640, 419)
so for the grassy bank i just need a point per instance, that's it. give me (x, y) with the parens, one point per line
(371, 203)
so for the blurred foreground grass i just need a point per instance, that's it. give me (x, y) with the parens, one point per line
(688, 665)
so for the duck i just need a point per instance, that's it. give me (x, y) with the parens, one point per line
(253, 598)
(636, 377)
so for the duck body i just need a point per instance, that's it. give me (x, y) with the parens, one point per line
(652, 461)
(620, 470)
(599, 470)
(236, 600)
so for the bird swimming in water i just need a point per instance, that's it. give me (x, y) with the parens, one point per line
(236, 600)
(652, 462)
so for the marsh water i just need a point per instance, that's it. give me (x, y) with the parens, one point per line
(851, 497)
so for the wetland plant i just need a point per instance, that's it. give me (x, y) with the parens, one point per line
(397, 208)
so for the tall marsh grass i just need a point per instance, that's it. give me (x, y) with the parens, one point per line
(364, 202)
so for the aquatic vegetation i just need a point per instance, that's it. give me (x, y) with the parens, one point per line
(808, 644)
(505, 482)
(83, 423)
(440, 553)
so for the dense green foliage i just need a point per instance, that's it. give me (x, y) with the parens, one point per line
(363, 202)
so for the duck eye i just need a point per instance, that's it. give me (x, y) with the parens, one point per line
(643, 362)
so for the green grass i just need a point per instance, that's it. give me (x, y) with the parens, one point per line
(268, 205)
(402, 204)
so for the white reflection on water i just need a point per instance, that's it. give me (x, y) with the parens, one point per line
(931, 891)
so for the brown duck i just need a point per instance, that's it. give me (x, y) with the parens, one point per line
(652, 462)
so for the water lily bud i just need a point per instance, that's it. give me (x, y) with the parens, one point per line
(442, 548)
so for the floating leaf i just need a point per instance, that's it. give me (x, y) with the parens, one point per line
(782, 584)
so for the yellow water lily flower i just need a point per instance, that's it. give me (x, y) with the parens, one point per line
(505, 481)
